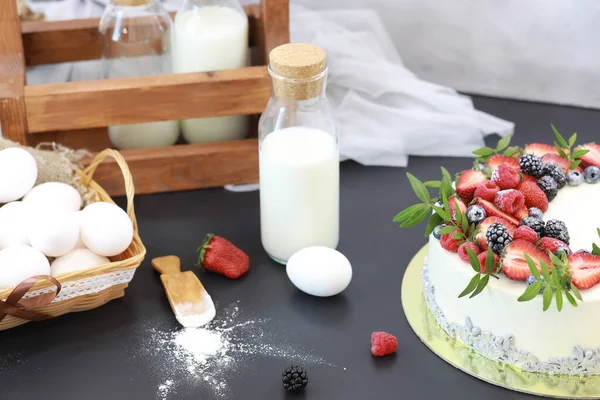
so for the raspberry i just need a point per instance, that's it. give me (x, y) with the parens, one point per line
(486, 190)
(506, 177)
(448, 243)
(509, 201)
(383, 343)
(462, 250)
(481, 257)
(526, 233)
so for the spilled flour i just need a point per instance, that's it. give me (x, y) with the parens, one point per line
(209, 357)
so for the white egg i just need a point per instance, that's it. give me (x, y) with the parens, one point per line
(319, 271)
(18, 172)
(76, 260)
(79, 244)
(53, 196)
(14, 223)
(106, 229)
(54, 234)
(19, 263)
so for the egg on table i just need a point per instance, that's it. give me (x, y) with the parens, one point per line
(53, 233)
(14, 223)
(18, 263)
(53, 196)
(319, 271)
(105, 229)
(76, 260)
(18, 172)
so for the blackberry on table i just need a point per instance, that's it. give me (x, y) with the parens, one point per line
(534, 223)
(531, 164)
(498, 237)
(556, 172)
(294, 379)
(556, 229)
(549, 186)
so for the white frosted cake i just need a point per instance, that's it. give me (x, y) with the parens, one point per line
(538, 203)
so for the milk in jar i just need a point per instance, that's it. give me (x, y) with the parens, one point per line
(298, 156)
(208, 38)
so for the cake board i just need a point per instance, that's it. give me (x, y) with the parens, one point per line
(460, 356)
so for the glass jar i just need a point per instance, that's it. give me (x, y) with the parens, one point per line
(298, 155)
(136, 41)
(211, 35)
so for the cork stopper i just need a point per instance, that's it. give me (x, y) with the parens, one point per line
(131, 3)
(300, 68)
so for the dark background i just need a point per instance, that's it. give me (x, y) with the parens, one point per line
(91, 355)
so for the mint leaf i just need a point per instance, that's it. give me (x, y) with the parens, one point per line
(419, 188)
(503, 143)
(572, 139)
(470, 287)
(576, 292)
(480, 286)
(407, 212)
(547, 297)
(433, 184)
(531, 292)
(434, 220)
(561, 140)
(418, 216)
(571, 299)
(559, 300)
(532, 267)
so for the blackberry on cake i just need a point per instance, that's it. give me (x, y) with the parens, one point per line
(536, 224)
(498, 237)
(549, 186)
(556, 229)
(556, 172)
(531, 165)
(480, 237)
(574, 178)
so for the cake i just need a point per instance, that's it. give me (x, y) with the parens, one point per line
(513, 266)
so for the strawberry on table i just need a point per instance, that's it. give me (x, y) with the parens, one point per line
(219, 255)
(592, 157)
(540, 149)
(467, 183)
(492, 211)
(514, 263)
(506, 177)
(495, 161)
(534, 195)
(560, 161)
(585, 270)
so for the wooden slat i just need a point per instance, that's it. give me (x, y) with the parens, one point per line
(274, 25)
(90, 104)
(12, 74)
(93, 139)
(49, 42)
(184, 167)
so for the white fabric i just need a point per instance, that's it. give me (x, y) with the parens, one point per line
(82, 287)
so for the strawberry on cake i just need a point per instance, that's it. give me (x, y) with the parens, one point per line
(513, 269)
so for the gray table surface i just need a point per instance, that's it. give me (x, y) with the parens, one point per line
(97, 354)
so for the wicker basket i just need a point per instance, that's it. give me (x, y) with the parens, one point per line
(43, 297)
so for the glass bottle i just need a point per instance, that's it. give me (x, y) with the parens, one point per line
(211, 35)
(136, 39)
(298, 155)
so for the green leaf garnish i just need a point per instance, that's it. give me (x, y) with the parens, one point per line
(419, 188)
(576, 292)
(565, 149)
(571, 299)
(559, 300)
(531, 291)
(434, 220)
(471, 286)
(483, 154)
(481, 285)
(547, 296)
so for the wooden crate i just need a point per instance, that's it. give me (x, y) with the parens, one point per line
(76, 114)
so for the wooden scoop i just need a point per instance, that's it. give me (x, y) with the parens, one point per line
(192, 305)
